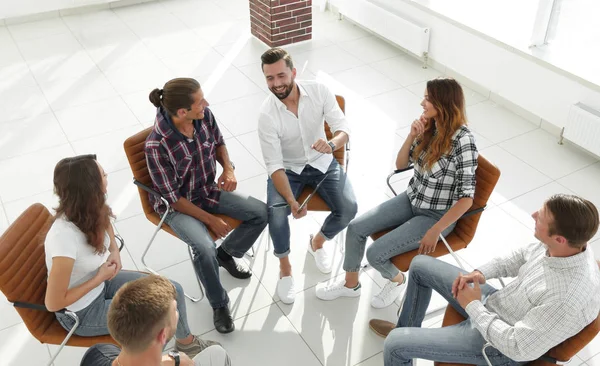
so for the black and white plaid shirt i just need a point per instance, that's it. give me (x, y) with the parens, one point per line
(451, 178)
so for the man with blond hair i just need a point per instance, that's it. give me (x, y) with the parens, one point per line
(142, 318)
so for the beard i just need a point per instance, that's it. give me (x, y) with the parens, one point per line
(285, 93)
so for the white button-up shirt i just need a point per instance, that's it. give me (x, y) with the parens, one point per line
(550, 300)
(286, 140)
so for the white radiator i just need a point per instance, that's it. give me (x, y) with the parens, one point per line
(387, 24)
(583, 127)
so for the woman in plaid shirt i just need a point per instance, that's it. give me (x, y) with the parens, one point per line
(444, 155)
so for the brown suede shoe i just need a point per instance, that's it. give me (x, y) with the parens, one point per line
(381, 327)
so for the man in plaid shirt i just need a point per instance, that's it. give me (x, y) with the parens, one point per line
(555, 294)
(181, 153)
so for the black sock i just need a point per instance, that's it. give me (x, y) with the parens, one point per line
(223, 254)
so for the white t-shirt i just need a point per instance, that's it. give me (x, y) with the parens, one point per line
(66, 240)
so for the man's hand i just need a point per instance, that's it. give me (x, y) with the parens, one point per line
(219, 227)
(227, 181)
(462, 280)
(429, 241)
(185, 360)
(468, 294)
(295, 206)
(322, 146)
(115, 258)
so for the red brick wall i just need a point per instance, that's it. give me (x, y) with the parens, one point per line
(281, 22)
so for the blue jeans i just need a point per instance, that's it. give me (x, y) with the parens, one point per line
(460, 343)
(252, 213)
(336, 191)
(412, 224)
(93, 319)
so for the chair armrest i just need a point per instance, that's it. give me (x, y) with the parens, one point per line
(147, 189)
(473, 211)
(27, 305)
(121, 241)
(410, 167)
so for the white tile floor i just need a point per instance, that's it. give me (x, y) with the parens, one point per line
(80, 84)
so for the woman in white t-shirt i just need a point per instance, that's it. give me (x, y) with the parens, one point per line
(83, 260)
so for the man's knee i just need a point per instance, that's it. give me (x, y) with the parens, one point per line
(421, 263)
(214, 356)
(347, 211)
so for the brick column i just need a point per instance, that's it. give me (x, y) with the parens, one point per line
(281, 22)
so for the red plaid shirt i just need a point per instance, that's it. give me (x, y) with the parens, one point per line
(182, 167)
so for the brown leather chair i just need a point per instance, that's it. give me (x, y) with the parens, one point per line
(562, 353)
(136, 155)
(486, 175)
(23, 280)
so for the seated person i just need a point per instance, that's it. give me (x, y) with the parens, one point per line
(556, 293)
(82, 257)
(444, 154)
(292, 138)
(181, 153)
(143, 317)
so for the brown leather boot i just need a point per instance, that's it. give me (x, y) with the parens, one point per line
(381, 327)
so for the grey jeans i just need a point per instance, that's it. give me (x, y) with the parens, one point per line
(414, 223)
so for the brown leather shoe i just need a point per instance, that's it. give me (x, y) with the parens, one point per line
(381, 327)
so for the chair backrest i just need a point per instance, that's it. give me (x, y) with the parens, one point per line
(339, 154)
(136, 155)
(23, 273)
(486, 175)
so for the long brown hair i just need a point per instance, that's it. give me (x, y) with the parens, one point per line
(175, 94)
(78, 185)
(448, 99)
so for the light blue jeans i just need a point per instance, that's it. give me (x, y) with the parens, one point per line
(93, 319)
(252, 213)
(336, 191)
(460, 343)
(412, 224)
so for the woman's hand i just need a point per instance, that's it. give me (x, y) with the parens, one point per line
(419, 126)
(106, 271)
(429, 241)
(115, 258)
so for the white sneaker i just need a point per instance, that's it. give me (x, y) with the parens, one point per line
(322, 259)
(390, 292)
(286, 290)
(336, 290)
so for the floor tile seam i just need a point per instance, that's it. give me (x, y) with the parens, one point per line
(242, 316)
(104, 134)
(368, 358)
(524, 162)
(278, 303)
(589, 358)
(12, 325)
(37, 82)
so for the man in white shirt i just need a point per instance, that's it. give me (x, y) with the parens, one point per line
(555, 294)
(297, 154)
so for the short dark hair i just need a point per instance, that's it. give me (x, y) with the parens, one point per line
(275, 54)
(139, 310)
(574, 218)
(175, 94)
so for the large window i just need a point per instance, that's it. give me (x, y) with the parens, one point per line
(564, 33)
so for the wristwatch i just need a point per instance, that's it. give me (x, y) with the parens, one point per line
(175, 356)
(332, 145)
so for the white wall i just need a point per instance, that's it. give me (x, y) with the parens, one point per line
(508, 73)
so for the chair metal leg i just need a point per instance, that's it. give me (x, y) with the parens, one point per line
(158, 228)
(341, 241)
(195, 299)
(64, 342)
